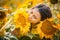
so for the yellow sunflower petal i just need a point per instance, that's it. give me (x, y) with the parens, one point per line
(21, 21)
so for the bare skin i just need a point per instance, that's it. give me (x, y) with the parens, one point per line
(34, 15)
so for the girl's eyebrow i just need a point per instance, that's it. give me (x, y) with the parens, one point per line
(33, 7)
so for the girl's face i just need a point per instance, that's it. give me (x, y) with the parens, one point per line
(34, 15)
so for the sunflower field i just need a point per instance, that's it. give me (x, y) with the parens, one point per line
(14, 23)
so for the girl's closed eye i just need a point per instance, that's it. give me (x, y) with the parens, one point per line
(34, 16)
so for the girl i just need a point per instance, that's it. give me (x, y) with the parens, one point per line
(40, 13)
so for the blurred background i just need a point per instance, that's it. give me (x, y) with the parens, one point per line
(10, 29)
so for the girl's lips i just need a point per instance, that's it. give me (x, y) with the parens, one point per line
(32, 19)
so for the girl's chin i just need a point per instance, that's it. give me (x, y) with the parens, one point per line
(33, 21)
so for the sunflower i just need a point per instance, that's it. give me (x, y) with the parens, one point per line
(37, 2)
(2, 22)
(54, 1)
(2, 15)
(3, 2)
(45, 28)
(30, 3)
(25, 3)
(21, 21)
(58, 24)
(58, 15)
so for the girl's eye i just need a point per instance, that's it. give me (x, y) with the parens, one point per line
(31, 12)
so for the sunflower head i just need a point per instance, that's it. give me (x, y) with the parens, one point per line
(3, 2)
(21, 21)
(2, 15)
(2, 20)
(54, 1)
(47, 28)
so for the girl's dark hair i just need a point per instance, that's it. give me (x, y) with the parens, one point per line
(44, 11)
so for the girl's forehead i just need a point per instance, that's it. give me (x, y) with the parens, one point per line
(32, 9)
(36, 9)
